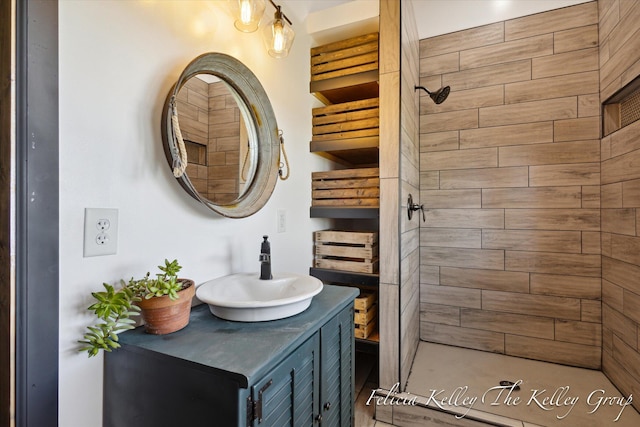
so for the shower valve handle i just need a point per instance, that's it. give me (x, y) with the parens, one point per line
(411, 207)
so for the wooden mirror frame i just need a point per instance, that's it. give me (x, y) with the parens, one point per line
(257, 107)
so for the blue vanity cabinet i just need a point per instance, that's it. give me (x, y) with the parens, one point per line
(313, 385)
(287, 396)
(337, 356)
(294, 372)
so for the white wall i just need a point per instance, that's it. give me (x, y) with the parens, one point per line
(118, 60)
(436, 17)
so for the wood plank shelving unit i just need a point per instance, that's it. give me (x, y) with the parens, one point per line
(344, 77)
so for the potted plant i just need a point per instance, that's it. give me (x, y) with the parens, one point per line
(164, 302)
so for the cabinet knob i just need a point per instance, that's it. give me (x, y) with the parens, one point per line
(319, 418)
(327, 406)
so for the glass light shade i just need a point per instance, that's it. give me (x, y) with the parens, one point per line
(248, 14)
(278, 37)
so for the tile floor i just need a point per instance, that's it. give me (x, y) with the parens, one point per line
(365, 382)
(440, 367)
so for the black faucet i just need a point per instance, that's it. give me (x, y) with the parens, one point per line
(265, 260)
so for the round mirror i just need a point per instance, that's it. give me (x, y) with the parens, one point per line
(220, 136)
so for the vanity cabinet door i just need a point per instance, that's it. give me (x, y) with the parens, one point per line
(337, 370)
(314, 386)
(288, 395)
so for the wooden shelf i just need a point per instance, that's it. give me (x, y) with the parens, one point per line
(368, 345)
(337, 145)
(341, 89)
(349, 152)
(349, 212)
(345, 277)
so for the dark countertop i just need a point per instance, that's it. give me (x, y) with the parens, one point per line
(241, 351)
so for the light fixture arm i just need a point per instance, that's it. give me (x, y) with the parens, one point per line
(279, 12)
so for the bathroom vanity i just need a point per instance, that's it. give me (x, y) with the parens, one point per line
(296, 371)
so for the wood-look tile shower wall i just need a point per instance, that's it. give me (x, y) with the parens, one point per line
(210, 119)
(620, 64)
(410, 184)
(399, 176)
(223, 151)
(510, 176)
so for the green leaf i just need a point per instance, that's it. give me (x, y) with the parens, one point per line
(114, 307)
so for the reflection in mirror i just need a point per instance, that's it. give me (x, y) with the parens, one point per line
(233, 187)
(221, 156)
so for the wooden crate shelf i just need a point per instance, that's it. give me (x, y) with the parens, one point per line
(346, 187)
(347, 120)
(364, 331)
(346, 70)
(365, 317)
(365, 301)
(345, 57)
(348, 132)
(345, 77)
(355, 251)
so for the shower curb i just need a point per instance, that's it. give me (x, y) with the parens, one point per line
(398, 406)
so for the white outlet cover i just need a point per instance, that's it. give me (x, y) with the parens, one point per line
(98, 239)
(282, 220)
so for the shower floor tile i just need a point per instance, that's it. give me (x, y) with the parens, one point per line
(549, 395)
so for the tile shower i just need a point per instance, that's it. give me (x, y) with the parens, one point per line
(531, 241)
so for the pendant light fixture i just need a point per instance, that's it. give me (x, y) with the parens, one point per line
(248, 14)
(278, 34)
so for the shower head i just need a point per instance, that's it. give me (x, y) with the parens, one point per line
(438, 96)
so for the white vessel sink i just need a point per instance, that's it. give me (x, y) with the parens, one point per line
(243, 297)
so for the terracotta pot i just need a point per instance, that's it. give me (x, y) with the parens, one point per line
(162, 316)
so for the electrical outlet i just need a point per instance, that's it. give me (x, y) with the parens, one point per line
(100, 232)
(103, 224)
(102, 239)
(282, 220)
